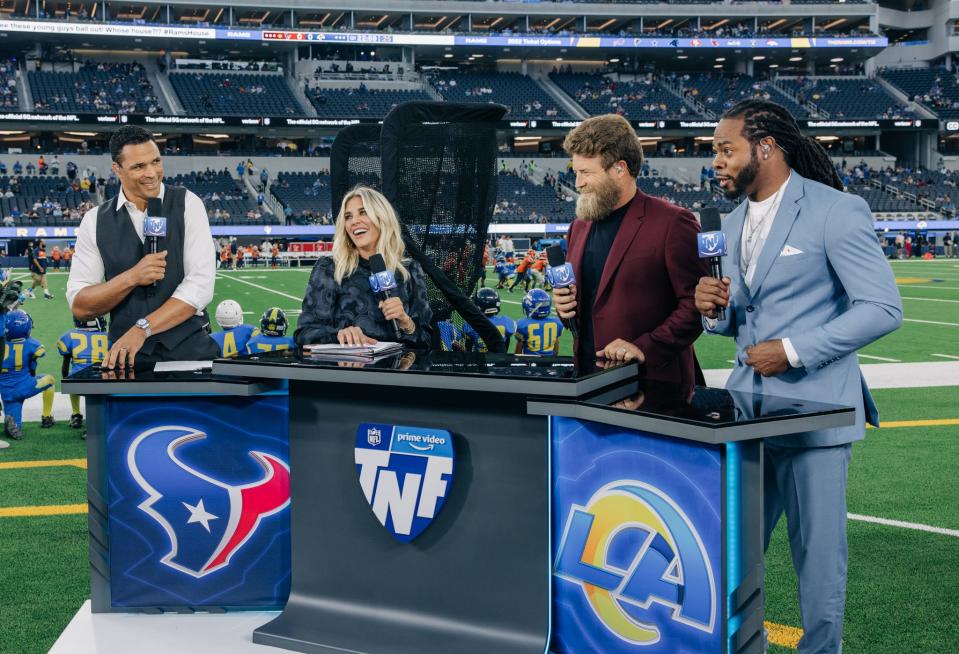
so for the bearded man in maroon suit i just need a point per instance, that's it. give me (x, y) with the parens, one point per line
(635, 260)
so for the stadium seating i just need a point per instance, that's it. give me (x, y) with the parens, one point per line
(720, 92)
(634, 99)
(45, 195)
(95, 88)
(220, 193)
(9, 98)
(359, 102)
(235, 94)
(519, 200)
(521, 94)
(935, 88)
(307, 194)
(847, 97)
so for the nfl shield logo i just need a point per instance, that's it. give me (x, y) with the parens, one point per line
(405, 474)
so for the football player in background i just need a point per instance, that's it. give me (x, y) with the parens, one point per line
(275, 256)
(87, 343)
(538, 333)
(235, 335)
(18, 375)
(451, 338)
(272, 334)
(487, 299)
(503, 269)
(537, 270)
(522, 271)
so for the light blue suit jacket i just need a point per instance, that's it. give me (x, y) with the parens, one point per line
(836, 295)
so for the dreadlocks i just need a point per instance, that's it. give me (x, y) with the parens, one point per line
(762, 119)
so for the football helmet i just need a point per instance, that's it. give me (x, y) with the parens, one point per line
(18, 324)
(273, 322)
(537, 304)
(229, 314)
(488, 301)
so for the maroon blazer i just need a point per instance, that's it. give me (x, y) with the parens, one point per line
(645, 294)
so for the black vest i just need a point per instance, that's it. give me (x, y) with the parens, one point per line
(121, 249)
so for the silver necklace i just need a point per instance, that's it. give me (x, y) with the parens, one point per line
(753, 230)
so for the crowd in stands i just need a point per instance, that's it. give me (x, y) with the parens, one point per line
(240, 94)
(305, 197)
(635, 99)
(9, 98)
(95, 87)
(936, 88)
(719, 92)
(847, 98)
(521, 94)
(359, 101)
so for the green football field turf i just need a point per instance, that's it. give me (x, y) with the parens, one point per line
(930, 292)
(903, 583)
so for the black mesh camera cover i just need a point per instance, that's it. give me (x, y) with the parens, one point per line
(439, 172)
(355, 160)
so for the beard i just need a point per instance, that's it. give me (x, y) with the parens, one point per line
(745, 177)
(599, 202)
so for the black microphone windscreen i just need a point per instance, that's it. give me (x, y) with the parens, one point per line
(710, 220)
(555, 255)
(155, 207)
(377, 265)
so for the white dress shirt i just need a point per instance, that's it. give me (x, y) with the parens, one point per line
(199, 266)
(759, 221)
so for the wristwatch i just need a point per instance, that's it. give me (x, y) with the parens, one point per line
(144, 324)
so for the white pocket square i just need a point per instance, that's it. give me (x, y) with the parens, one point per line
(789, 251)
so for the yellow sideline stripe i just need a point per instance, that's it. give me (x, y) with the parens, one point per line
(784, 636)
(917, 423)
(34, 511)
(51, 463)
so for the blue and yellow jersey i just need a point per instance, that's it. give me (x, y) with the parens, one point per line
(84, 348)
(505, 325)
(233, 341)
(449, 334)
(20, 359)
(261, 343)
(539, 336)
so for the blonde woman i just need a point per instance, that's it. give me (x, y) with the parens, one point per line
(339, 306)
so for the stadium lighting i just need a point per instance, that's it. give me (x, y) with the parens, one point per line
(759, 57)
(614, 61)
(836, 60)
(774, 65)
(682, 56)
(448, 55)
(717, 65)
(795, 59)
(720, 58)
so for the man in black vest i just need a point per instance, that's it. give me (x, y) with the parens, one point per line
(114, 272)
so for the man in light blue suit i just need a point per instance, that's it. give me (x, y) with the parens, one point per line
(807, 286)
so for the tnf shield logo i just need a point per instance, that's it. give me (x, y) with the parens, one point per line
(560, 276)
(711, 244)
(154, 226)
(405, 475)
(206, 520)
(630, 548)
(382, 281)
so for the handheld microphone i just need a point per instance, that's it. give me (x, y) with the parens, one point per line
(154, 226)
(712, 246)
(559, 274)
(382, 281)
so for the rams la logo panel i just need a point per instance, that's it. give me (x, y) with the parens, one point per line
(405, 474)
(637, 542)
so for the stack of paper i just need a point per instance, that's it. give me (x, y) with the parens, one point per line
(360, 353)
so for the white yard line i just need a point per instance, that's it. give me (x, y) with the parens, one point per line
(265, 288)
(932, 322)
(947, 356)
(887, 360)
(904, 525)
(927, 299)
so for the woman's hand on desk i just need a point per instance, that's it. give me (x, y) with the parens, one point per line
(354, 336)
(392, 309)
